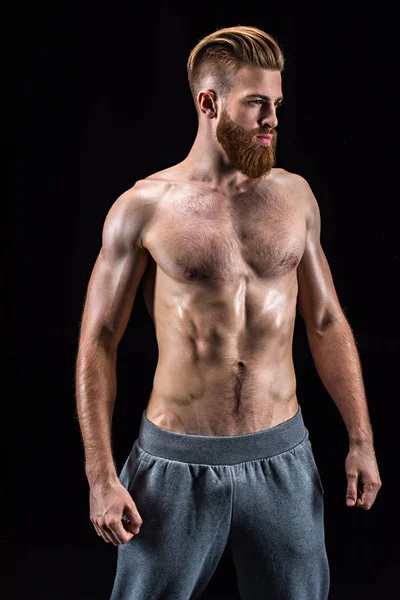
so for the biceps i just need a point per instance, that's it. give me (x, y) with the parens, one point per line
(317, 298)
(110, 296)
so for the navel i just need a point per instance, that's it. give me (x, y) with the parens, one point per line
(239, 367)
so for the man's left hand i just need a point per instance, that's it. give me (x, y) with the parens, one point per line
(363, 480)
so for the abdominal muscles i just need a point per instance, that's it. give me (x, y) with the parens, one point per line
(225, 365)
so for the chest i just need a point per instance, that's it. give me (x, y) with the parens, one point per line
(205, 236)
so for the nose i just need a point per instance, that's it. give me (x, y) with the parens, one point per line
(269, 119)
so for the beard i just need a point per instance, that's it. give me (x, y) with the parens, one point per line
(251, 157)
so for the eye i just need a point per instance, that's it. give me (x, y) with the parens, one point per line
(278, 105)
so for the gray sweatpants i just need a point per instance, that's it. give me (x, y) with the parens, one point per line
(261, 493)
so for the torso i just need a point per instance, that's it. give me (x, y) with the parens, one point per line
(221, 288)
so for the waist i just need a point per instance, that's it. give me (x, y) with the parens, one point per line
(221, 449)
(219, 416)
(222, 400)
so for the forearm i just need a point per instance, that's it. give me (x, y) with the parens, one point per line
(337, 361)
(95, 398)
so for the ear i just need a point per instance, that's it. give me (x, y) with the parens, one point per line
(207, 102)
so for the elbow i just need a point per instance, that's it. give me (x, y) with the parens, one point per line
(325, 321)
(103, 343)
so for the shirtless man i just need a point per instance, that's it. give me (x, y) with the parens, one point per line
(225, 248)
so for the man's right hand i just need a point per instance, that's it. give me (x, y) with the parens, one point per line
(108, 502)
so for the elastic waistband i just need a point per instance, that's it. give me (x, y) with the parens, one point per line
(216, 450)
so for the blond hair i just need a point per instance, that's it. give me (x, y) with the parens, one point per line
(215, 60)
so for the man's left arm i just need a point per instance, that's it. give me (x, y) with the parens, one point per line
(336, 358)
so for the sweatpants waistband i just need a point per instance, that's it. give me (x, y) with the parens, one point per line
(216, 450)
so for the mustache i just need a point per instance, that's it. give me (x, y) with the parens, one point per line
(271, 132)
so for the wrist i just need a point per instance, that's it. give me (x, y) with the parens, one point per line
(101, 477)
(361, 441)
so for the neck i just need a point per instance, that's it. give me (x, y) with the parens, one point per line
(207, 162)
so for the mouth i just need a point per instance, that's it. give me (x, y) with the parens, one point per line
(264, 139)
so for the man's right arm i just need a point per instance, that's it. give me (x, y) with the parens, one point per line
(111, 292)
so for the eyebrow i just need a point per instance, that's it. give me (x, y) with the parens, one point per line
(263, 97)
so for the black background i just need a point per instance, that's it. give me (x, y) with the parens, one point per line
(100, 81)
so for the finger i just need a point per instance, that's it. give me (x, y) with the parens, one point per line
(366, 501)
(122, 533)
(129, 526)
(96, 528)
(117, 533)
(114, 538)
(105, 536)
(134, 517)
(368, 493)
(102, 530)
(351, 493)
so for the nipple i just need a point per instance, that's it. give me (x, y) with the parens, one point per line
(190, 273)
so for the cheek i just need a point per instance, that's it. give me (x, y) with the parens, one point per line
(245, 124)
(242, 119)
(236, 115)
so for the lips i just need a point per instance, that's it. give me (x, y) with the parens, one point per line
(265, 137)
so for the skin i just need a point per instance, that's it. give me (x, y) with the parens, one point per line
(225, 249)
(227, 324)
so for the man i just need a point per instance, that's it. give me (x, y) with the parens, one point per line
(226, 248)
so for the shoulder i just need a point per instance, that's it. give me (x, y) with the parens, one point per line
(131, 212)
(143, 195)
(290, 179)
(297, 184)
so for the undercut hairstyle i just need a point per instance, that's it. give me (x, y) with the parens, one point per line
(215, 60)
